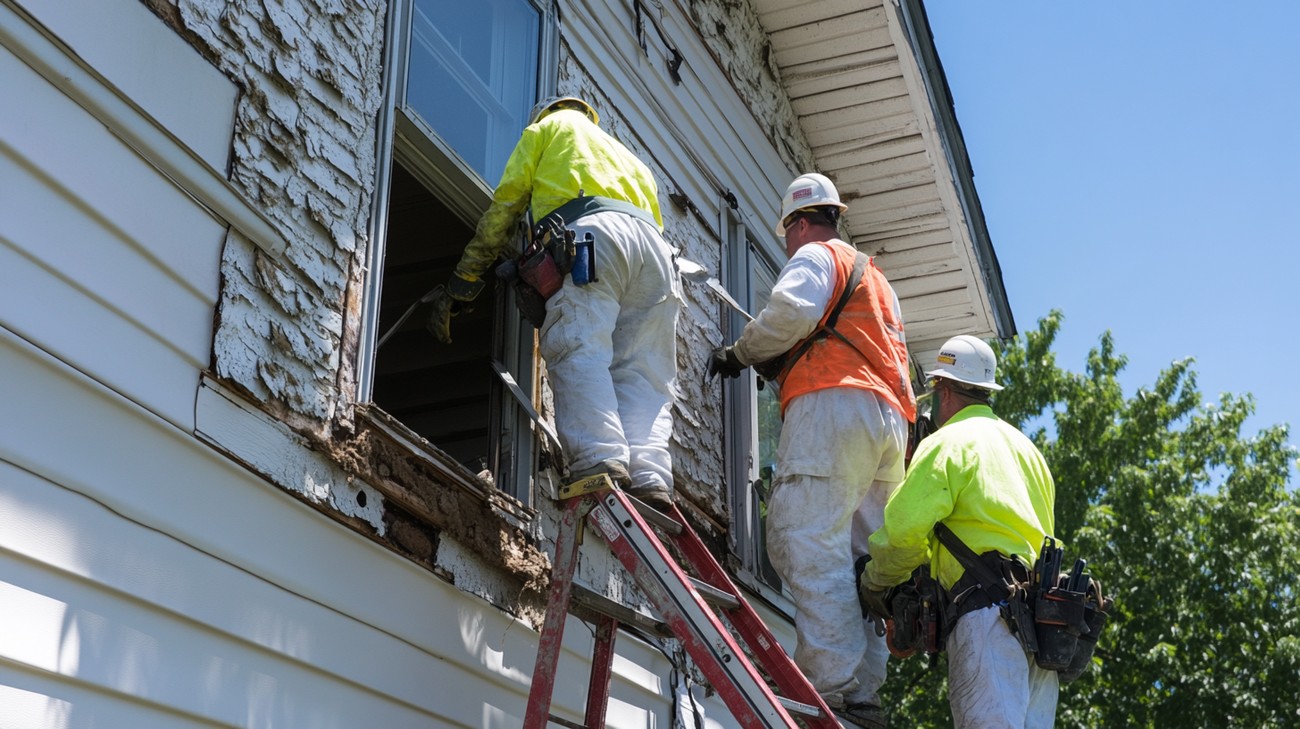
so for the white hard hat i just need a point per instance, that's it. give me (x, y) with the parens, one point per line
(542, 106)
(968, 360)
(807, 191)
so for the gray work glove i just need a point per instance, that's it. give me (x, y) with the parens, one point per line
(874, 603)
(723, 361)
(449, 300)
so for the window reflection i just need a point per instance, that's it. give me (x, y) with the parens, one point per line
(473, 75)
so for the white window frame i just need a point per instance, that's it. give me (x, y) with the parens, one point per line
(404, 137)
(745, 261)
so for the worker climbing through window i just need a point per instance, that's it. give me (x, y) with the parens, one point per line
(980, 482)
(832, 336)
(609, 332)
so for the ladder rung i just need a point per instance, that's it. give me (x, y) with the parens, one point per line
(714, 596)
(655, 516)
(585, 599)
(565, 722)
(798, 707)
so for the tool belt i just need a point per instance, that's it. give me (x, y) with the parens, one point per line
(553, 253)
(1057, 618)
(918, 622)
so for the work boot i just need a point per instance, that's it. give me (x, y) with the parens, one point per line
(616, 471)
(862, 716)
(658, 497)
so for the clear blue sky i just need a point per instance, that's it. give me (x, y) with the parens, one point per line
(1139, 167)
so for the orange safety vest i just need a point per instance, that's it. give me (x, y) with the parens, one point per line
(863, 347)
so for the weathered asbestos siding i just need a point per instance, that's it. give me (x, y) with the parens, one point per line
(304, 153)
(740, 46)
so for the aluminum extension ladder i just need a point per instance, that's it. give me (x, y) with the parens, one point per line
(687, 606)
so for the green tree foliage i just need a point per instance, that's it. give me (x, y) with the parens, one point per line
(1190, 525)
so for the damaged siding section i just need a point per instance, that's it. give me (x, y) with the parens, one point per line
(286, 326)
(304, 153)
(741, 48)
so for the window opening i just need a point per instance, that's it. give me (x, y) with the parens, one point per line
(461, 80)
(440, 391)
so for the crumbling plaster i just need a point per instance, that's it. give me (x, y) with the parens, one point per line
(733, 34)
(304, 152)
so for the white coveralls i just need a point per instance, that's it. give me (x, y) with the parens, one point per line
(991, 679)
(840, 457)
(610, 347)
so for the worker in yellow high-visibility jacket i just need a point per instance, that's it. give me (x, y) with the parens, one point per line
(609, 344)
(989, 484)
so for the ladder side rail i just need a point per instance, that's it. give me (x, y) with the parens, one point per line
(557, 612)
(602, 669)
(779, 665)
(703, 635)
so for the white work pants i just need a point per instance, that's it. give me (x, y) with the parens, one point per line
(992, 682)
(839, 459)
(610, 351)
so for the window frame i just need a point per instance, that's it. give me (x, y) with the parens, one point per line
(403, 137)
(743, 263)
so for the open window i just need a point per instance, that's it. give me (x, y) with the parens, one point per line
(461, 79)
(753, 424)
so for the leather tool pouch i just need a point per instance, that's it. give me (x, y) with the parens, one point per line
(539, 271)
(1095, 614)
(1069, 614)
(1058, 621)
(918, 609)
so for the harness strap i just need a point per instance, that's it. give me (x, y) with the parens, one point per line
(860, 261)
(989, 580)
(990, 588)
(588, 204)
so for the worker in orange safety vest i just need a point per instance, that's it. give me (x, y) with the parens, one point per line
(831, 337)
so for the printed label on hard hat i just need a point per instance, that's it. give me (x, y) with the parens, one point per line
(801, 193)
(945, 358)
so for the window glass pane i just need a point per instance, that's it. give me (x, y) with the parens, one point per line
(473, 75)
(768, 404)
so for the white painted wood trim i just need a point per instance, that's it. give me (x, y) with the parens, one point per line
(33, 45)
(946, 184)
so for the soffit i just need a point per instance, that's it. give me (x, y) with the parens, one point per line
(863, 96)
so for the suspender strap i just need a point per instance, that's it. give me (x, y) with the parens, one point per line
(860, 261)
(990, 582)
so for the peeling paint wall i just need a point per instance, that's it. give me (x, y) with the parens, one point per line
(304, 153)
(287, 325)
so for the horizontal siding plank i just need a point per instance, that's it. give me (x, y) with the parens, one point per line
(852, 69)
(913, 286)
(137, 530)
(776, 14)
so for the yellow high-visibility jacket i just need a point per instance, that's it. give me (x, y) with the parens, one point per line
(981, 477)
(562, 153)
